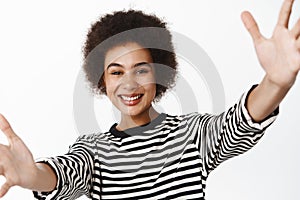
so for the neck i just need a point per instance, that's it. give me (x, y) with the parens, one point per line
(130, 121)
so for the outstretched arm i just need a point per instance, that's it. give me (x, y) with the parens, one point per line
(280, 58)
(18, 167)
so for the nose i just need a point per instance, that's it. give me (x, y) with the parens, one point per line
(129, 82)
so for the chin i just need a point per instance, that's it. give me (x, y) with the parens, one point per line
(132, 112)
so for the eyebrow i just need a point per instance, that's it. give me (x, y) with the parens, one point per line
(136, 65)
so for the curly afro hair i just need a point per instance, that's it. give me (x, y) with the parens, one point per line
(130, 26)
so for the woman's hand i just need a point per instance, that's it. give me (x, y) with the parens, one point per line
(280, 54)
(280, 58)
(16, 161)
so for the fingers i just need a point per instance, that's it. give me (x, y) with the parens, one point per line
(285, 13)
(4, 189)
(296, 33)
(296, 29)
(6, 129)
(251, 26)
(298, 43)
(1, 171)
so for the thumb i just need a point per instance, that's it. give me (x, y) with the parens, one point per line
(4, 189)
(6, 129)
(251, 26)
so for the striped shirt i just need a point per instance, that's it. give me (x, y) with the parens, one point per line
(169, 158)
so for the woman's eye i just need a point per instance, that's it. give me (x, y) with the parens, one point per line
(116, 73)
(142, 71)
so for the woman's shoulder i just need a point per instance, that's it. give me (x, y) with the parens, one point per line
(92, 137)
(185, 115)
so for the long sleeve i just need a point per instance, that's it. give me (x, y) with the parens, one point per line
(229, 134)
(73, 171)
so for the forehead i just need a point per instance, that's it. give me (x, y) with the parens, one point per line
(128, 52)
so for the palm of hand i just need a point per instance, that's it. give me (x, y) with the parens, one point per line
(23, 160)
(16, 164)
(280, 55)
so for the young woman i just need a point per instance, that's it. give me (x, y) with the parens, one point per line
(151, 155)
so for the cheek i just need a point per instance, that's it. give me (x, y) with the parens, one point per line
(154, 89)
(151, 89)
(146, 81)
(110, 87)
(152, 86)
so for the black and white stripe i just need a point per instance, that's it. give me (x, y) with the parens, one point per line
(169, 158)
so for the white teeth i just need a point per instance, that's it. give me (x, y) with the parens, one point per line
(130, 98)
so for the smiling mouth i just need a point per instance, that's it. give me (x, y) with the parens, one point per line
(131, 98)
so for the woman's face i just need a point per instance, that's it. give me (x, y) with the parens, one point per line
(130, 79)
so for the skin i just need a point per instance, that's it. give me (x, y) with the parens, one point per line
(279, 56)
(128, 72)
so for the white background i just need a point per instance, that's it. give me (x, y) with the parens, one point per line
(40, 48)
